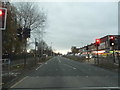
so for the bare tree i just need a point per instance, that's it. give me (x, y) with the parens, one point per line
(30, 16)
(33, 17)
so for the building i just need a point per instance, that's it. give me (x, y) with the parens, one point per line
(104, 46)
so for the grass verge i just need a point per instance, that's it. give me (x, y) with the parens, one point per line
(76, 58)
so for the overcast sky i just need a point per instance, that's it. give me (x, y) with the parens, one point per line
(79, 24)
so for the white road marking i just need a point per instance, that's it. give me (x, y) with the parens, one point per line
(38, 67)
(43, 64)
(70, 66)
(18, 82)
(59, 60)
(50, 60)
(74, 68)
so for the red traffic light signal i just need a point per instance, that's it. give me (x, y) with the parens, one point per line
(3, 14)
(112, 37)
(97, 42)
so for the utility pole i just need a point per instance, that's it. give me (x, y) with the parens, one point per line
(51, 48)
(41, 48)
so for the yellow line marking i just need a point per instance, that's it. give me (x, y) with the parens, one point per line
(18, 82)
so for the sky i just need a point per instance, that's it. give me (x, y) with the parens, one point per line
(78, 24)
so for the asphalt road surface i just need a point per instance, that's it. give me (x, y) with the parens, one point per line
(63, 73)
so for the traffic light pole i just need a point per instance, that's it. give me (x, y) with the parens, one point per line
(0, 55)
(97, 56)
(97, 42)
(113, 54)
(0, 51)
(88, 55)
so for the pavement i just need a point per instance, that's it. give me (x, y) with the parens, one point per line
(60, 73)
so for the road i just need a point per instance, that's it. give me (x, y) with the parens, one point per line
(63, 73)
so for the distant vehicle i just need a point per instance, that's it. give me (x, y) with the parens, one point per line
(90, 56)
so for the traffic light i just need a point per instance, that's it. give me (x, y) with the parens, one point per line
(19, 34)
(112, 40)
(26, 33)
(36, 43)
(87, 48)
(3, 14)
(97, 42)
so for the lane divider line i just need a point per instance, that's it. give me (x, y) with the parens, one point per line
(18, 82)
(59, 60)
(70, 66)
